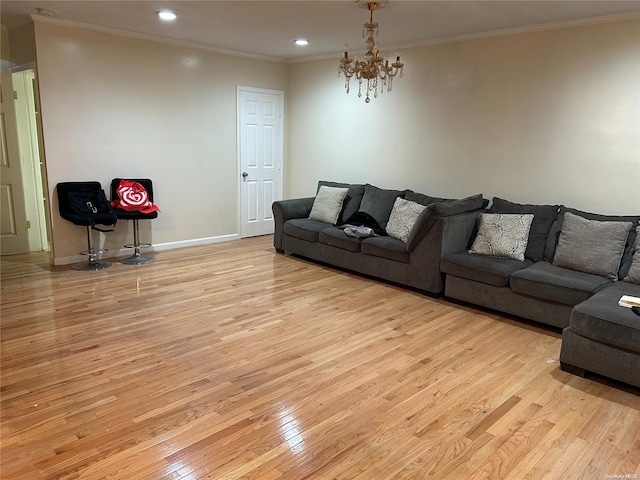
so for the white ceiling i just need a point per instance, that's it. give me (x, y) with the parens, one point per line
(267, 29)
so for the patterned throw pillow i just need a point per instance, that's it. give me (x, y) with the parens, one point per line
(502, 235)
(328, 204)
(403, 217)
(634, 272)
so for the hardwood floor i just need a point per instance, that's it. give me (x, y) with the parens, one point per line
(230, 361)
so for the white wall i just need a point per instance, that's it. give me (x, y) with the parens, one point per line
(114, 106)
(545, 117)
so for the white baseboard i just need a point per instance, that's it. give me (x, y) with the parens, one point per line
(125, 252)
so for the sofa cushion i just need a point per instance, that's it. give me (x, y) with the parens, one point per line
(462, 205)
(489, 270)
(353, 199)
(328, 204)
(556, 284)
(601, 319)
(554, 234)
(634, 271)
(304, 228)
(421, 198)
(591, 246)
(441, 208)
(502, 235)
(385, 247)
(544, 216)
(337, 238)
(378, 202)
(403, 217)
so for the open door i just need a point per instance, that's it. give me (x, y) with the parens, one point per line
(13, 223)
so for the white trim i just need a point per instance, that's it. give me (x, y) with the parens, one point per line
(195, 242)
(125, 252)
(617, 17)
(153, 38)
(494, 33)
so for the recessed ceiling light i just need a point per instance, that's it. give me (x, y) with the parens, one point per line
(301, 42)
(167, 15)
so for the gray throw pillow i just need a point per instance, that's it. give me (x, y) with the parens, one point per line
(634, 272)
(502, 235)
(328, 204)
(591, 246)
(403, 218)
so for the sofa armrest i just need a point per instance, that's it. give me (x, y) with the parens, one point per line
(435, 211)
(284, 210)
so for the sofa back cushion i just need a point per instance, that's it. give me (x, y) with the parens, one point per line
(633, 276)
(351, 202)
(423, 199)
(543, 218)
(554, 234)
(378, 202)
(591, 246)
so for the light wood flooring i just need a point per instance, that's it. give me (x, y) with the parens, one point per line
(230, 361)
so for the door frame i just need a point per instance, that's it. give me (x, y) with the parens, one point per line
(280, 95)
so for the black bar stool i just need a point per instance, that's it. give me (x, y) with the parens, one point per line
(136, 258)
(85, 204)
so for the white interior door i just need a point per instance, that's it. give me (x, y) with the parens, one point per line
(26, 111)
(260, 157)
(13, 223)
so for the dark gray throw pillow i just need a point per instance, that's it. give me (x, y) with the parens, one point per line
(378, 202)
(543, 218)
(591, 246)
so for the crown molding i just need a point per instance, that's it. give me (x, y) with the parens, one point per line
(153, 38)
(268, 58)
(497, 33)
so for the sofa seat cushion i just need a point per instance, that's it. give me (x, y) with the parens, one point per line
(490, 270)
(304, 228)
(337, 238)
(386, 247)
(601, 319)
(556, 284)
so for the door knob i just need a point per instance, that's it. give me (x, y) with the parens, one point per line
(245, 174)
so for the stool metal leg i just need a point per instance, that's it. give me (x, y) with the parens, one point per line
(136, 258)
(93, 263)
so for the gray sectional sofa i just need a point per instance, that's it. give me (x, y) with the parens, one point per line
(555, 265)
(439, 229)
(575, 269)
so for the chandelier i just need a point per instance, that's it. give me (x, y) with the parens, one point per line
(373, 68)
